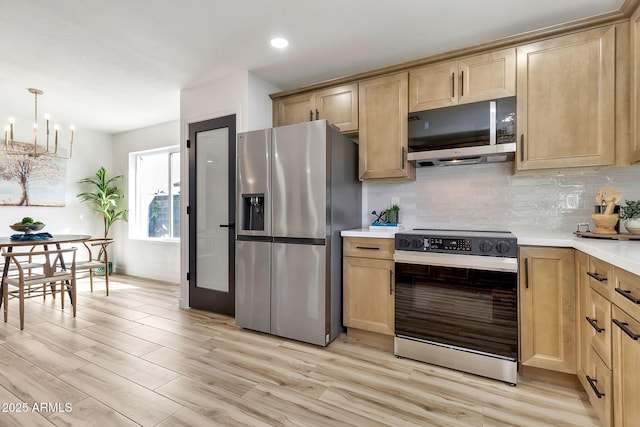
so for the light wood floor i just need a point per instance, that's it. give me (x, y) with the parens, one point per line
(135, 358)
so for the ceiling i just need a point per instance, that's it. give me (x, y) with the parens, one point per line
(118, 65)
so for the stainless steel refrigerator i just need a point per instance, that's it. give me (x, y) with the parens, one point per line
(297, 188)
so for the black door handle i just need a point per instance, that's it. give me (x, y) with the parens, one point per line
(230, 225)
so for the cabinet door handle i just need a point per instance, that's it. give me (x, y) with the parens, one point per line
(453, 84)
(522, 147)
(461, 83)
(627, 294)
(403, 158)
(317, 114)
(594, 324)
(596, 276)
(625, 328)
(390, 282)
(526, 273)
(592, 383)
(370, 248)
(310, 115)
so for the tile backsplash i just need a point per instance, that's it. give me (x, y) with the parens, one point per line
(491, 197)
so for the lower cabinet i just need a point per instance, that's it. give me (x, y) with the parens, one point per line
(608, 320)
(626, 367)
(368, 284)
(547, 308)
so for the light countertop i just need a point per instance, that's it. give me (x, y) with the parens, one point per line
(366, 232)
(621, 253)
(624, 254)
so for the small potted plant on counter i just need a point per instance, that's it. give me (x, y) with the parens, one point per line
(630, 214)
(391, 215)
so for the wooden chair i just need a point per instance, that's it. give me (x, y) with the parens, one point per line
(59, 266)
(98, 259)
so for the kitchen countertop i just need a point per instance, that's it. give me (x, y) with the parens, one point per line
(624, 254)
(621, 253)
(366, 232)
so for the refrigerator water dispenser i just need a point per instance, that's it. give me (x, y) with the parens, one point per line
(253, 212)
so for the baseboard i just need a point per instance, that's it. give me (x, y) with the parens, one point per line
(551, 377)
(375, 339)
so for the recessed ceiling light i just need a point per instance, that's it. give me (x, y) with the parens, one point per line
(279, 42)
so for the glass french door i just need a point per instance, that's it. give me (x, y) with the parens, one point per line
(212, 204)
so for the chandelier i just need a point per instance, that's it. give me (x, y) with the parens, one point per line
(32, 149)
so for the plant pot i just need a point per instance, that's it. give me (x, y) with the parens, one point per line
(100, 271)
(632, 225)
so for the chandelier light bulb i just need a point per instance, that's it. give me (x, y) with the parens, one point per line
(12, 120)
(47, 116)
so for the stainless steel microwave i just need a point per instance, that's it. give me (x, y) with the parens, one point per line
(478, 132)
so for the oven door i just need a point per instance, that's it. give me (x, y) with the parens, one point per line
(464, 307)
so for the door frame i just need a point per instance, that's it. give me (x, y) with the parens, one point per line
(202, 298)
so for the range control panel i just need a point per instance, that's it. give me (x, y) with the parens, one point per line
(496, 244)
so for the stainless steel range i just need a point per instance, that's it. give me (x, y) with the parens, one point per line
(456, 300)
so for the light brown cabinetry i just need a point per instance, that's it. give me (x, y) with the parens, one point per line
(338, 105)
(635, 86)
(368, 284)
(566, 101)
(547, 308)
(583, 302)
(475, 78)
(626, 367)
(383, 128)
(609, 340)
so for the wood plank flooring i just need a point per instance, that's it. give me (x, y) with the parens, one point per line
(135, 358)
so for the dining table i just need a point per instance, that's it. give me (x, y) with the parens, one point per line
(10, 242)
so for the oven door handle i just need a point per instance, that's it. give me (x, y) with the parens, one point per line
(475, 262)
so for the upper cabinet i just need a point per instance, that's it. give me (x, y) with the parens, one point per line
(338, 105)
(635, 86)
(383, 128)
(566, 101)
(475, 78)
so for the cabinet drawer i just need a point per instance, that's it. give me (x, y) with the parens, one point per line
(626, 360)
(599, 388)
(364, 247)
(598, 319)
(601, 277)
(626, 293)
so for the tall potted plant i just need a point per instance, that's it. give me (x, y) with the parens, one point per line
(104, 198)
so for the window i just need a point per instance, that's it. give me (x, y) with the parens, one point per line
(154, 211)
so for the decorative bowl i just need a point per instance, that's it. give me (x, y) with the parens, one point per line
(27, 229)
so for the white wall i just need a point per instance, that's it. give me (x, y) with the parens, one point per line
(259, 103)
(491, 197)
(91, 149)
(241, 94)
(159, 260)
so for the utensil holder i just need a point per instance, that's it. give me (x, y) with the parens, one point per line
(605, 224)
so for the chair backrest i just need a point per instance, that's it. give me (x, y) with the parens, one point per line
(52, 259)
(103, 243)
